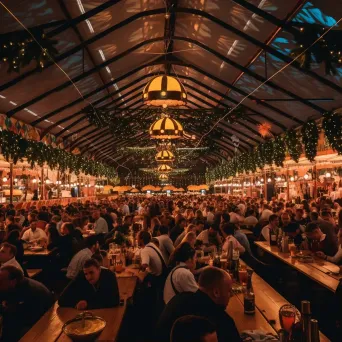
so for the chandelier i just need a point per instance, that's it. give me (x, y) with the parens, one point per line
(164, 168)
(165, 156)
(166, 128)
(163, 176)
(164, 91)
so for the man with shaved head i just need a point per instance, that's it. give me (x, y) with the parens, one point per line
(210, 302)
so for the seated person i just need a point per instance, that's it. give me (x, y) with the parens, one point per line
(294, 231)
(78, 260)
(13, 238)
(181, 278)
(319, 241)
(198, 329)
(34, 234)
(210, 238)
(7, 256)
(228, 231)
(24, 301)
(210, 302)
(337, 258)
(94, 288)
(272, 225)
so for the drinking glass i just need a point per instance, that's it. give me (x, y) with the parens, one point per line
(243, 275)
(287, 317)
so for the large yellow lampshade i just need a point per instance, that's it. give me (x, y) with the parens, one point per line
(165, 156)
(166, 128)
(164, 168)
(164, 91)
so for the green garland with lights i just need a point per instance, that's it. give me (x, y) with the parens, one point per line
(15, 148)
(332, 125)
(327, 50)
(279, 151)
(275, 150)
(19, 48)
(293, 144)
(310, 134)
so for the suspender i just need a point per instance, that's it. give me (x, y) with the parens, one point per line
(172, 283)
(164, 267)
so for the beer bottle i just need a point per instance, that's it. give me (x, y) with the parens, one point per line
(249, 296)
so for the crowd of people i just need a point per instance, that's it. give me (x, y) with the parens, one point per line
(167, 233)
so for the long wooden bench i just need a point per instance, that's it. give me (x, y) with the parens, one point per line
(49, 327)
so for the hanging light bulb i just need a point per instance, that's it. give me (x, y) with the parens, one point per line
(34, 180)
(5, 179)
(292, 179)
(306, 176)
(269, 180)
(328, 175)
(278, 179)
(47, 181)
(16, 180)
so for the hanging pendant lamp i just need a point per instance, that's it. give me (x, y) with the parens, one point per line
(166, 128)
(165, 91)
(165, 156)
(164, 168)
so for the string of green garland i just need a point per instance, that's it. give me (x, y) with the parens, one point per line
(15, 148)
(310, 139)
(294, 147)
(332, 125)
(18, 49)
(275, 150)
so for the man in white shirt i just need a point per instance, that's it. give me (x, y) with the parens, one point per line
(34, 234)
(210, 215)
(165, 243)
(101, 226)
(78, 260)
(210, 238)
(152, 259)
(228, 231)
(125, 209)
(266, 213)
(272, 225)
(7, 256)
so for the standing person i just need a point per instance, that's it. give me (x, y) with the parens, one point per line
(210, 302)
(178, 229)
(165, 243)
(181, 278)
(94, 288)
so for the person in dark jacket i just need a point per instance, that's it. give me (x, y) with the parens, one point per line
(24, 301)
(210, 302)
(94, 288)
(13, 237)
(178, 229)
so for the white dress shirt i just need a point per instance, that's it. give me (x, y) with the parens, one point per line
(183, 281)
(236, 244)
(101, 226)
(30, 235)
(165, 246)
(13, 262)
(210, 217)
(150, 257)
(77, 262)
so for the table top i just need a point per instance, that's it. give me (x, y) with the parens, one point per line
(43, 252)
(268, 302)
(49, 327)
(316, 270)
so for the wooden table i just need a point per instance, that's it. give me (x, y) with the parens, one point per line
(268, 302)
(43, 252)
(49, 327)
(316, 270)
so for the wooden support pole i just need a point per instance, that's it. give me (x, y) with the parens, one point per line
(315, 182)
(265, 182)
(42, 184)
(11, 182)
(288, 183)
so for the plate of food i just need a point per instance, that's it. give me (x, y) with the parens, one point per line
(84, 327)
